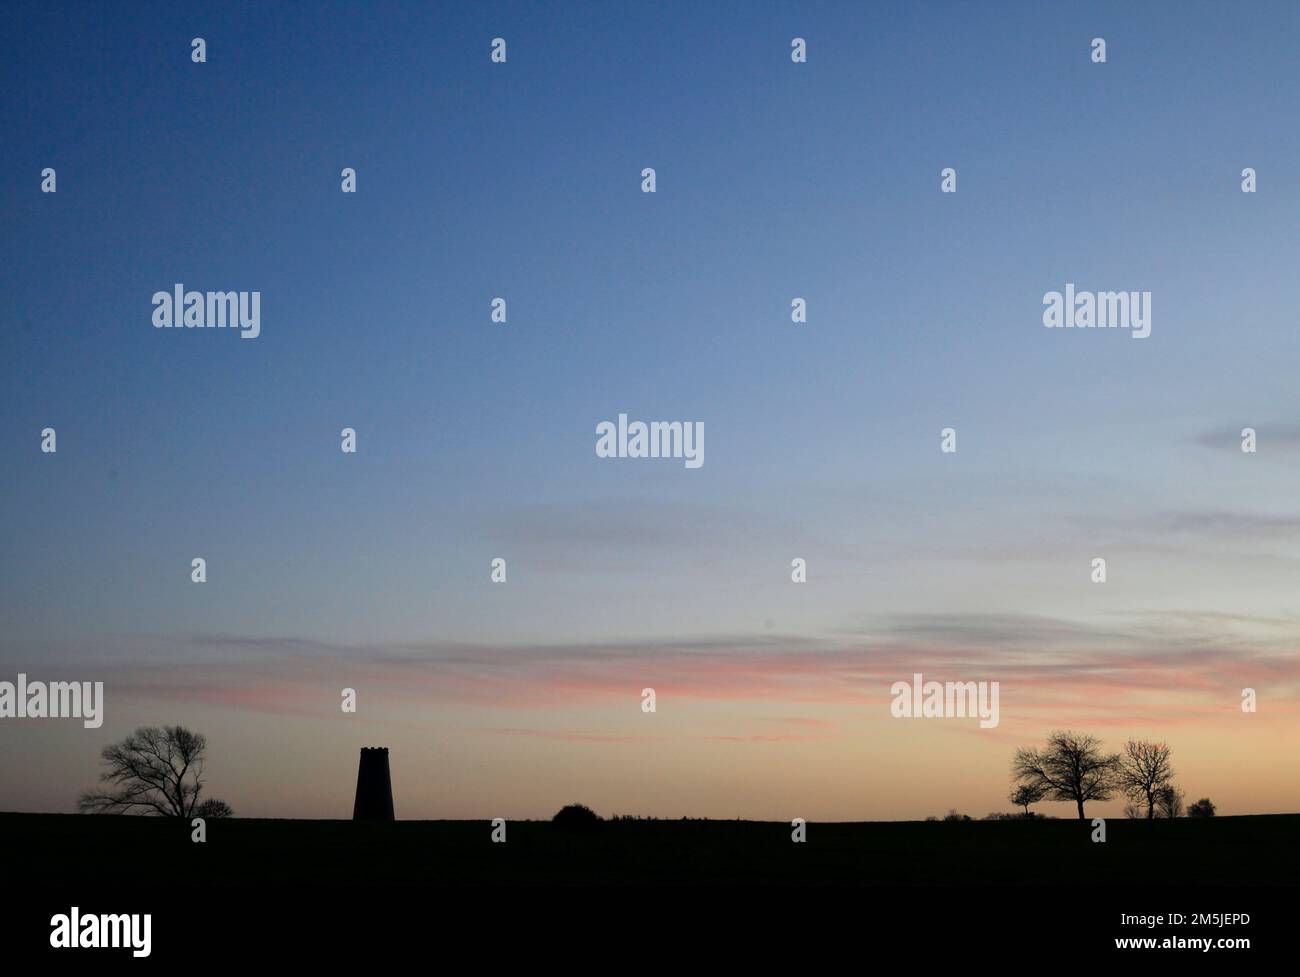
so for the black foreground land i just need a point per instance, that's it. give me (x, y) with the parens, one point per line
(723, 895)
(1252, 850)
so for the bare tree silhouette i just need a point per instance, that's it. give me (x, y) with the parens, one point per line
(156, 770)
(1169, 802)
(1071, 768)
(1026, 794)
(1143, 771)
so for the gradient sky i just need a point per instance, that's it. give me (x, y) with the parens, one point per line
(476, 440)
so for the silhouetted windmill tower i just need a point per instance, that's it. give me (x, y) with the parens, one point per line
(374, 788)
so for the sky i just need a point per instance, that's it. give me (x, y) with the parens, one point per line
(476, 439)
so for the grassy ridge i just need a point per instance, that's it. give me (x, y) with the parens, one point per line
(1227, 850)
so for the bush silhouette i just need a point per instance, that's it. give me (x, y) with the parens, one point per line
(576, 817)
(213, 808)
(1204, 808)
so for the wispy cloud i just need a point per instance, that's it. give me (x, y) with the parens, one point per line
(1228, 437)
(566, 735)
(1170, 665)
(1238, 525)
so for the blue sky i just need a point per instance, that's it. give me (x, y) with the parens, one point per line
(522, 180)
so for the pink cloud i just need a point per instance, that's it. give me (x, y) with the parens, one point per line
(1170, 682)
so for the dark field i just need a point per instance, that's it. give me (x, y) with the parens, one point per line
(1259, 849)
